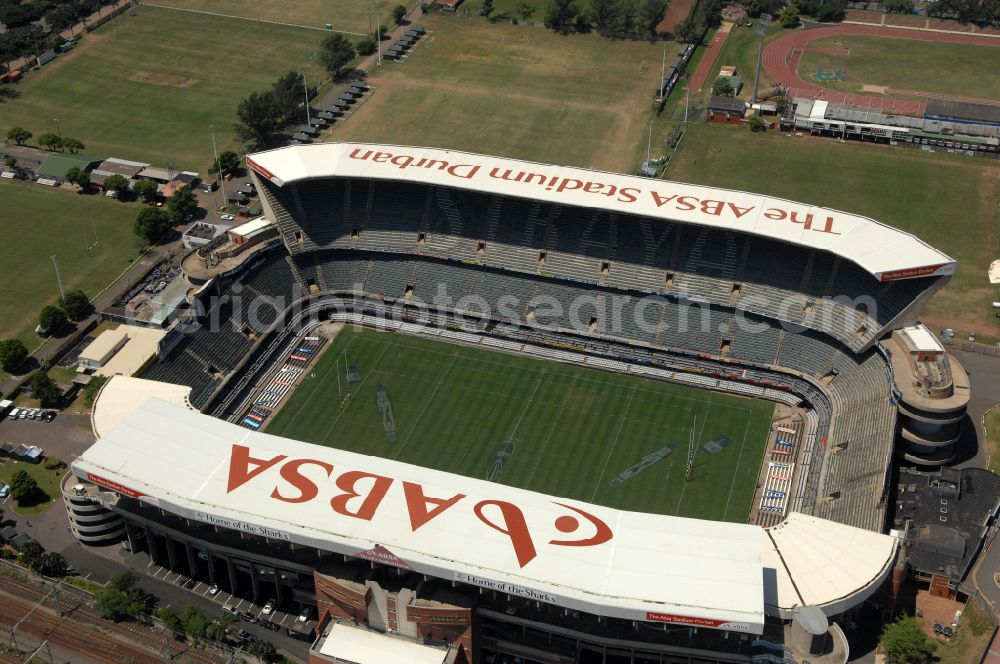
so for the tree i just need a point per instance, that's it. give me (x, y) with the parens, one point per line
(72, 144)
(76, 304)
(263, 650)
(626, 16)
(51, 564)
(49, 141)
(687, 31)
(31, 552)
(78, 176)
(181, 204)
(288, 95)
(722, 87)
(561, 15)
(19, 135)
(170, 619)
(904, 642)
(365, 46)
(526, 10)
(335, 51)
(22, 487)
(898, 6)
(487, 8)
(12, 354)
(260, 117)
(147, 190)
(92, 388)
(116, 182)
(228, 162)
(52, 319)
(123, 599)
(10, 162)
(789, 17)
(60, 18)
(194, 621)
(756, 123)
(44, 389)
(605, 14)
(152, 224)
(651, 14)
(399, 11)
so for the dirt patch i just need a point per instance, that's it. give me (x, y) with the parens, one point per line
(877, 89)
(677, 11)
(157, 78)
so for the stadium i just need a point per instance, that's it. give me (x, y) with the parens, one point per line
(511, 412)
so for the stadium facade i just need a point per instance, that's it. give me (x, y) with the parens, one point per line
(722, 290)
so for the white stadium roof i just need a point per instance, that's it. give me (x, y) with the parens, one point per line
(643, 567)
(585, 557)
(885, 252)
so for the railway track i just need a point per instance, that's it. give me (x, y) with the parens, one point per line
(79, 628)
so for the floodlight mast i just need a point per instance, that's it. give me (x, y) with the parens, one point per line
(765, 21)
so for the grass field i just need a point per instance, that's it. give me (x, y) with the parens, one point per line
(515, 91)
(951, 202)
(149, 86)
(346, 15)
(904, 64)
(44, 221)
(573, 429)
(48, 485)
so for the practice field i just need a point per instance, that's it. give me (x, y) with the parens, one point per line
(558, 429)
(41, 222)
(148, 87)
(346, 15)
(903, 64)
(951, 202)
(515, 91)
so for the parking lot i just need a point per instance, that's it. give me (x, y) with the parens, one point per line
(241, 605)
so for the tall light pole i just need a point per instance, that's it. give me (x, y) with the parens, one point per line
(378, 37)
(58, 276)
(305, 88)
(58, 129)
(218, 166)
(765, 20)
(649, 140)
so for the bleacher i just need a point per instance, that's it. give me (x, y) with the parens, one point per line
(725, 268)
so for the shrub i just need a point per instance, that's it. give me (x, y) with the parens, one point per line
(51, 463)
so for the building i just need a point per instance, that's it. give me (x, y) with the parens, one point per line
(460, 562)
(199, 234)
(53, 170)
(933, 394)
(961, 112)
(103, 348)
(124, 350)
(726, 110)
(114, 166)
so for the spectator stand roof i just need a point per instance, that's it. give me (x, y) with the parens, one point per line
(885, 252)
(585, 557)
(730, 104)
(56, 165)
(947, 109)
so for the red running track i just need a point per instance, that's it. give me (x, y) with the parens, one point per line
(781, 59)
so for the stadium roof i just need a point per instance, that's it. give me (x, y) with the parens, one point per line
(887, 253)
(823, 563)
(122, 395)
(595, 559)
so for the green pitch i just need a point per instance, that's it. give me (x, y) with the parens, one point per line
(553, 428)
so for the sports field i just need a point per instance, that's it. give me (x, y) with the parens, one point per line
(949, 201)
(346, 15)
(515, 91)
(148, 87)
(39, 222)
(903, 64)
(572, 431)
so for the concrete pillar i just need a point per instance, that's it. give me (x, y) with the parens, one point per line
(154, 546)
(211, 569)
(172, 555)
(279, 590)
(192, 558)
(254, 583)
(234, 585)
(130, 535)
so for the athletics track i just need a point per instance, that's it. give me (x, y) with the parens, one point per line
(782, 57)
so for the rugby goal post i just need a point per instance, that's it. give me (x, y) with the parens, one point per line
(643, 66)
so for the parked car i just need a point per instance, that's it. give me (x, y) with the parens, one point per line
(14, 414)
(229, 608)
(270, 624)
(269, 606)
(227, 217)
(49, 415)
(4, 490)
(244, 636)
(24, 414)
(305, 614)
(250, 618)
(213, 589)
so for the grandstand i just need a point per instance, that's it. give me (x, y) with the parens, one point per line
(715, 289)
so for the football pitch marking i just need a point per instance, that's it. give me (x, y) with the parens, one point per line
(427, 403)
(732, 484)
(607, 460)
